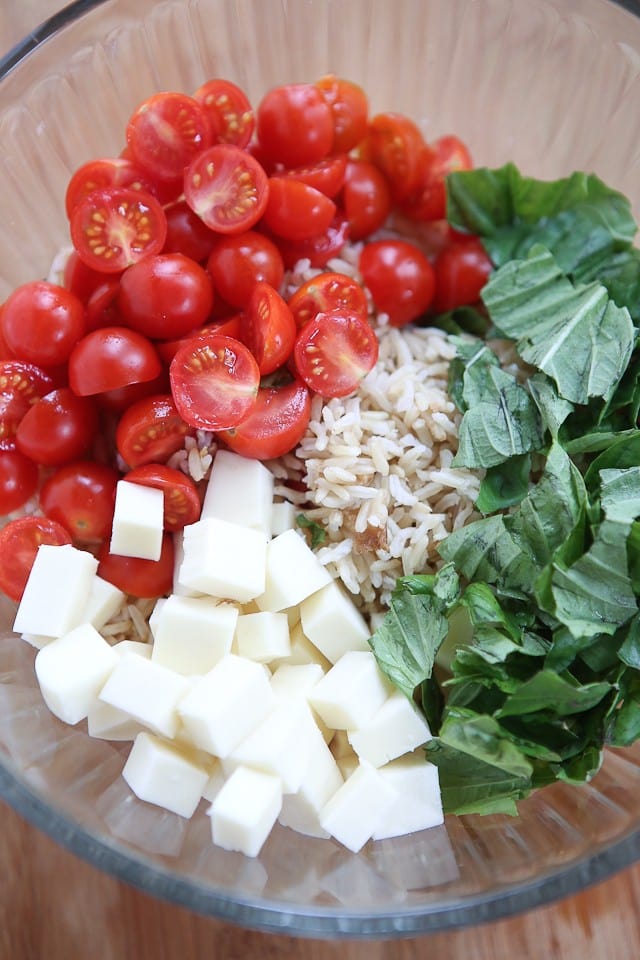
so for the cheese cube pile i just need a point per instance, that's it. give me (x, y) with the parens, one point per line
(259, 694)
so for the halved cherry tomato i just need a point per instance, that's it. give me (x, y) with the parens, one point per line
(214, 382)
(186, 232)
(294, 124)
(110, 358)
(165, 296)
(181, 500)
(428, 200)
(297, 211)
(80, 279)
(229, 111)
(58, 428)
(231, 327)
(349, 109)
(462, 269)
(81, 496)
(227, 188)
(21, 385)
(326, 293)
(318, 250)
(41, 322)
(18, 480)
(121, 398)
(400, 278)
(276, 425)
(396, 146)
(115, 227)
(365, 198)
(102, 305)
(136, 577)
(19, 542)
(150, 431)
(238, 263)
(166, 132)
(268, 328)
(334, 351)
(326, 175)
(101, 173)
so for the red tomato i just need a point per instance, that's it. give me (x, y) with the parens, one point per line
(181, 500)
(102, 305)
(230, 327)
(115, 227)
(186, 233)
(400, 278)
(397, 147)
(121, 398)
(150, 431)
(18, 480)
(276, 424)
(80, 279)
(139, 578)
(110, 358)
(165, 296)
(98, 174)
(268, 328)
(317, 250)
(41, 322)
(429, 198)
(237, 263)
(214, 382)
(297, 211)
(326, 293)
(326, 175)
(227, 188)
(166, 132)
(81, 497)
(229, 111)
(21, 385)
(349, 109)
(58, 428)
(365, 198)
(19, 542)
(294, 124)
(462, 269)
(334, 351)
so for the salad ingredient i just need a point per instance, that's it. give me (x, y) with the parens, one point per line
(150, 430)
(296, 211)
(113, 228)
(229, 111)
(428, 201)
(165, 132)
(21, 384)
(57, 429)
(146, 691)
(110, 358)
(223, 559)
(293, 573)
(294, 124)
(137, 521)
(165, 296)
(19, 478)
(418, 805)
(138, 577)
(191, 634)
(41, 323)
(101, 174)
(19, 543)
(245, 810)
(332, 622)
(187, 233)
(461, 271)
(239, 490)
(354, 810)
(237, 263)
(400, 278)
(326, 175)
(263, 636)
(58, 584)
(396, 146)
(326, 292)
(227, 188)
(81, 496)
(159, 773)
(267, 328)
(350, 111)
(366, 198)
(320, 249)
(334, 351)
(181, 500)
(276, 424)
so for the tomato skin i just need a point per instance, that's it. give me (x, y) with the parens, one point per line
(137, 577)
(19, 542)
(349, 108)
(114, 228)
(81, 497)
(276, 425)
(230, 327)
(121, 398)
(21, 385)
(429, 198)
(237, 263)
(41, 322)
(400, 278)
(102, 305)
(318, 250)
(297, 211)
(18, 480)
(334, 351)
(294, 124)
(326, 293)
(151, 430)
(227, 188)
(397, 147)
(186, 232)
(80, 279)
(326, 175)
(181, 499)
(165, 296)
(365, 198)
(58, 428)
(110, 358)
(165, 132)
(101, 173)
(229, 111)
(461, 270)
(268, 329)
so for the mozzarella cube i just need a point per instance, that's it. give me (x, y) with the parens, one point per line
(56, 592)
(245, 810)
(155, 615)
(295, 681)
(103, 602)
(418, 803)
(216, 781)
(105, 722)
(37, 640)
(351, 692)
(133, 646)
(178, 556)
(293, 572)
(396, 728)
(147, 691)
(239, 490)
(223, 559)
(281, 744)
(302, 651)
(332, 622)
(160, 773)
(322, 778)
(72, 669)
(137, 521)
(263, 636)
(283, 517)
(225, 705)
(356, 809)
(192, 633)
(343, 753)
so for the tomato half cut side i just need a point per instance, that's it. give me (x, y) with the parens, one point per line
(114, 228)
(137, 577)
(227, 188)
(349, 108)
(324, 294)
(229, 111)
(19, 542)
(276, 425)
(326, 175)
(150, 431)
(334, 351)
(165, 133)
(214, 382)
(398, 149)
(268, 328)
(101, 173)
(181, 499)
(21, 385)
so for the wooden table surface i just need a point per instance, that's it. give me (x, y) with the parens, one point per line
(55, 906)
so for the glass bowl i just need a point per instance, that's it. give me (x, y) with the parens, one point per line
(553, 85)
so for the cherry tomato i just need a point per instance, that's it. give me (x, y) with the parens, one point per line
(317, 250)
(58, 428)
(365, 198)
(429, 198)
(81, 497)
(19, 542)
(186, 233)
(101, 173)
(294, 124)
(276, 424)
(181, 500)
(397, 147)
(165, 296)
(326, 293)
(462, 269)
(150, 431)
(214, 382)
(229, 111)
(227, 188)
(400, 278)
(102, 305)
(230, 327)
(21, 385)
(297, 211)
(326, 175)
(137, 577)
(41, 322)
(237, 263)
(115, 227)
(268, 328)
(166, 132)
(110, 358)
(334, 351)
(349, 109)
(18, 480)
(80, 279)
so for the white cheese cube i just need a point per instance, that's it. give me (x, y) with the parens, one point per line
(103, 602)
(137, 521)
(56, 592)
(295, 681)
(356, 809)
(155, 615)
(396, 728)
(302, 651)
(418, 803)
(293, 572)
(147, 691)
(322, 778)
(105, 722)
(178, 556)
(225, 705)
(283, 517)
(281, 744)
(332, 622)
(216, 781)
(223, 559)
(37, 640)
(192, 633)
(263, 636)
(245, 810)
(71, 671)
(133, 646)
(351, 692)
(239, 490)
(160, 773)
(343, 753)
